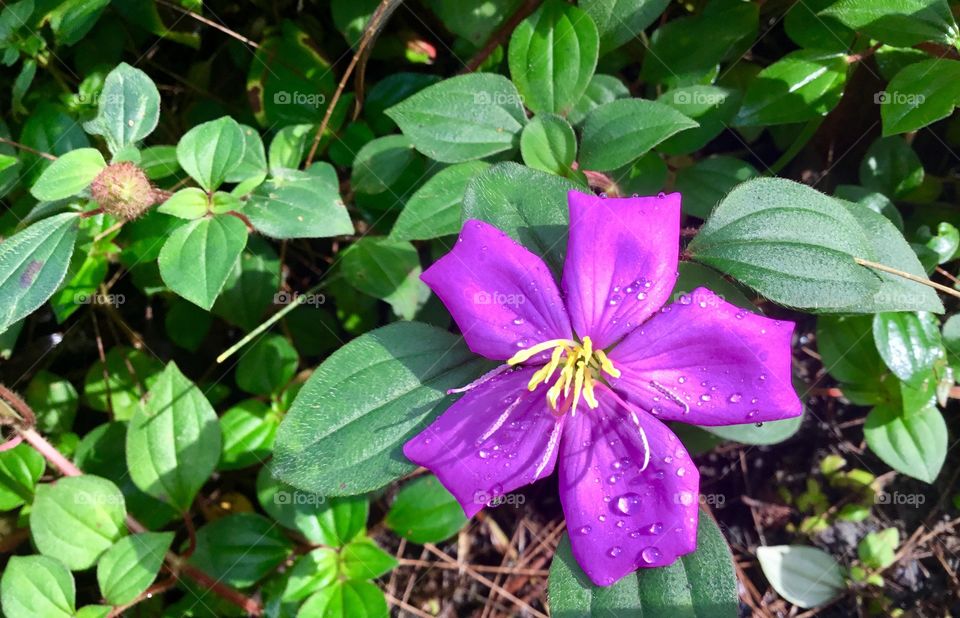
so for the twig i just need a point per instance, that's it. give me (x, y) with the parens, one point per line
(501, 35)
(208, 22)
(39, 153)
(906, 275)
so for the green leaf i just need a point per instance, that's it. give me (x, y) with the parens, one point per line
(622, 131)
(945, 243)
(710, 106)
(117, 385)
(33, 263)
(804, 576)
(346, 600)
(549, 144)
(552, 56)
(197, 257)
(210, 152)
(877, 550)
(909, 343)
(363, 559)
(812, 31)
(891, 167)
(128, 108)
(904, 23)
(311, 573)
(434, 210)
(802, 85)
(425, 512)
(846, 347)
(188, 203)
(345, 431)
(34, 586)
(688, 50)
(173, 442)
(698, 584)
(299, 204)
(68, 175)
(333, 522)
(463, 118)
(529, 205)
(386, 269)
(248, 429)
(267, 366)
(289, 146)
(20, 469)
(889, 247)
(251, 286)
(919, 95)
(381, 163)
(619, 21)
(252, 169)
(48, 129)
(790, 243)
(130, 566)
(708, 181)
(601, 89)
(76, 519)
(914, 444)
(159, 162)
(240, 549)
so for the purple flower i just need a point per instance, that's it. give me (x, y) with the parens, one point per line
(592, 373)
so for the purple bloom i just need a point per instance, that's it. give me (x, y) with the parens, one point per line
(593, 373)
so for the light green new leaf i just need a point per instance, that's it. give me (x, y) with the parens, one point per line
(299, 204)
(425, 512)
(210, 152)
(68, 175)
(35, 586)
(909, 343)
(128, 108)
(130, 566)
(346, 600)
(549, 144)
(434, 209)
(804, 576)
(20, 469)
(914, 444)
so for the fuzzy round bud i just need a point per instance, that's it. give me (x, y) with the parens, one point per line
(123, 190)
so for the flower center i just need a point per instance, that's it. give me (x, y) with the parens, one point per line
(580, 366)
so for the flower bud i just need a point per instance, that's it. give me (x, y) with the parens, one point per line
(123, 190)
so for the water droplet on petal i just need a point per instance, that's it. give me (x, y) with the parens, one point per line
(602, 518)
(685, 299)
(682, 379)
(681, 472)
(518, 321)
(735, 398)
(655, 528)
(628, 503)
(585, 530)
(483, 453)
(650, 555)
(752, 413)
(661, 195)
(614, 551)
(705, 397)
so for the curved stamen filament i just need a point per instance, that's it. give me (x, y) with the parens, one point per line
(580, 366)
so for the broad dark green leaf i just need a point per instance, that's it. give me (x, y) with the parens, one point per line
(899, 22)
(789, 242)
(434, 210)
(552, 56)
(34, 586)
(267, 366)
(333, 522)
(173, 443)
(701, 584)
(211, 151)
(117, 385)
(601, 89)
(919, 95)
(800, 86)
(299, 204)
(386, 269)
(381, 164)
(130, 566)
(68, 175)
(619, 21)
(425, 512)
(248, 430)
(33, 263)
(128, 108)
(462, 118)
(198, 257)
(711, 107)
(251, 286)
(706, 182)
(909, 343)
(804, 576)
(240, 549)
(913, 444)
(548, 144)
(812, 31)
(346, 429)
(76, 519)
(891, 167)
(529, 205)
(621, 131)
(849, 355)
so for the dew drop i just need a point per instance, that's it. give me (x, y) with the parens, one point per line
(614, 300)
(650, 555)
(603, 196)
(628, 503)
(661, 195)
(705, 397)
(752, 413)
(602, 518)
(739, 315)
(585, 530)
(667, 459)
(483, 453)
(655, 528)
(614, 551)
(518, 321)
(681, 472)
(613, 478)
(685, 299)
(641, 295)
(735, 398)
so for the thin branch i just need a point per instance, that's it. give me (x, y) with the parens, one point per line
(39, 153)
(906, 275)
(211, 23)
(501, 35)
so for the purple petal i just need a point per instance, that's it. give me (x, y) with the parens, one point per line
(619, 515)
(502, 297)
(707, 362)
(498, 437)
(621, 262)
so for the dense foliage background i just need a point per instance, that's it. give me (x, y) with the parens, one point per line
(215, 340)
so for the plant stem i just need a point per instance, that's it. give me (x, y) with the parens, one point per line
(906, 275)
(501, 35)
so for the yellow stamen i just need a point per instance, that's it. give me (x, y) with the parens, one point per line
(606, 364)
(580, 366)
(528, 353)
